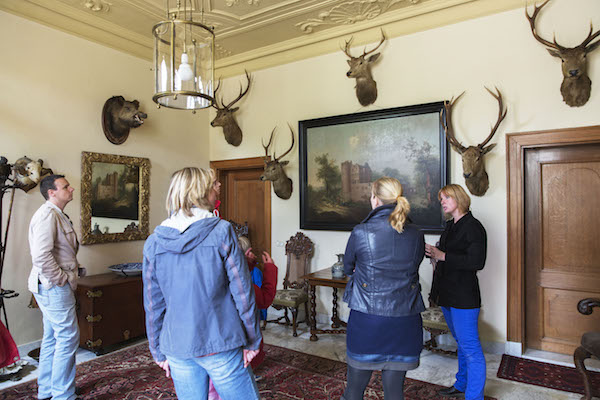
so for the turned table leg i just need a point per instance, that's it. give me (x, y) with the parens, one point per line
(313, 314)
(334, 317)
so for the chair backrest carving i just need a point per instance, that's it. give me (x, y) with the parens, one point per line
(299, 250)
(239, 229)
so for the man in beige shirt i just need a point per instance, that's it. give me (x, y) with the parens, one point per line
(53, 279)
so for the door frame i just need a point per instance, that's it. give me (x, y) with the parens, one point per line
(516, 146)
(222, 166)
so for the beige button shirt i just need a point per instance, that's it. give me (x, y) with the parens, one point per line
(54, 245)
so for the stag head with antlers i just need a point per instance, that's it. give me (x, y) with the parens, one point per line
(474, 172)
(576, 85)
(282, 185)
(360, 69)
(225, 115)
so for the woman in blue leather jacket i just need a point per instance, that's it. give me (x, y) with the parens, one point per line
(201, 316)
(385, 329)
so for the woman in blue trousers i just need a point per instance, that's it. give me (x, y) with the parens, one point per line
(459, 255)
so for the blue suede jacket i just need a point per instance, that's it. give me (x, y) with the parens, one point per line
(384, 267)
(198, 294)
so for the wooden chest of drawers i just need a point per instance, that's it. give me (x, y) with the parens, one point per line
(110, 310)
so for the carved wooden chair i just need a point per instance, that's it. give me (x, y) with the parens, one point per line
(299, 250)
(590, 347)
(239, 229)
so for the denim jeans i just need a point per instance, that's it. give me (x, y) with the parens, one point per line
(226, 369)
(463, 324)
(61, 337)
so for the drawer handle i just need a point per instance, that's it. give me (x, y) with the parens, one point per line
(91, 318)
(126, 334)
(93, 344)
(94, 293)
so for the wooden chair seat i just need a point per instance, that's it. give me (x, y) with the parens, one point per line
(435, 323)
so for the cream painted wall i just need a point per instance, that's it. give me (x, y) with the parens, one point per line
(53, 88)
(424, 67)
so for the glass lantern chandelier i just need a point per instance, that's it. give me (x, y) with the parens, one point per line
(184, 59)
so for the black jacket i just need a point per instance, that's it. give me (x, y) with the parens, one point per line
(384, 267)
(455, 282)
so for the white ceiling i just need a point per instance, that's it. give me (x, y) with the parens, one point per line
(254, 34)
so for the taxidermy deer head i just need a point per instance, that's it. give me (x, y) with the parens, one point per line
(225, 115)
(472, 157)
(360, 69)
(576, 85)
(282, 185)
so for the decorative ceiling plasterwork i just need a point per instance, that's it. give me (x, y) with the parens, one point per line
(97, 5)
(231, 3)
(349, 13)
(254, 34)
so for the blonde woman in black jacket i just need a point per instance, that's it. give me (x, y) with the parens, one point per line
(384, 328)
(460, 254)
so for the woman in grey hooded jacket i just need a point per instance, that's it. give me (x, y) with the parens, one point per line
(201, 316)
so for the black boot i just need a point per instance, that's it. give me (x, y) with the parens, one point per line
(451, 392)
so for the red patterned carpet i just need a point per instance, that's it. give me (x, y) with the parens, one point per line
(287, 375)
(537, 373)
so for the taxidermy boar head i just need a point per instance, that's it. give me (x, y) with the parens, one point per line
(28, 173)
(282, 185)
(360, 69)
(576, 85)
(472, 157)
(225, 115)
(119, 116)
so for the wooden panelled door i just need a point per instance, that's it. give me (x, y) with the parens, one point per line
(245, 198)
(562, 244)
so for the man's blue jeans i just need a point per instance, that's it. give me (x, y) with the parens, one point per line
(226, 369)
(463, 324)
(61, 337)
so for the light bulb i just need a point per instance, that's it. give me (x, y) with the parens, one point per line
(185, 70)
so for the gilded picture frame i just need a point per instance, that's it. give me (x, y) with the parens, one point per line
(115, 194)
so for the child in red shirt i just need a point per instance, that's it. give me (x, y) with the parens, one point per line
(264, 296)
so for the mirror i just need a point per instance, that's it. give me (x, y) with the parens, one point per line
(115, 192)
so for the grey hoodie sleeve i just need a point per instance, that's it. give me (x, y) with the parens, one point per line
(155, 307)
(241, 288)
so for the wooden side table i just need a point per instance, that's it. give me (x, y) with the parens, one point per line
(110, 310)
(324, 278)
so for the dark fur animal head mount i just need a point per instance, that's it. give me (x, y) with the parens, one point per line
(360, 69)
(119, 116)
(576, 86)
(274, 172)
(474, 172)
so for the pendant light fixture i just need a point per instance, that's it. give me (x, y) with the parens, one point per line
(184, 52)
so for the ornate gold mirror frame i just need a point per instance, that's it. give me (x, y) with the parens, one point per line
(115, 193)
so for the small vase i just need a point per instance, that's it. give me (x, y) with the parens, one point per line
(337, 269)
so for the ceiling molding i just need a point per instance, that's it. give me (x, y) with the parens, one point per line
(82, 24)
(405, 22)
(272, 39)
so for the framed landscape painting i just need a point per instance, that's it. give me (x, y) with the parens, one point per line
(341, 156)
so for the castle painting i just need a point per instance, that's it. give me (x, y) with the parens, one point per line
(115, 191)
(341, 160)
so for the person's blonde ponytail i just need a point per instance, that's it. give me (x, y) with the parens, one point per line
(389, 190)
(398, 216)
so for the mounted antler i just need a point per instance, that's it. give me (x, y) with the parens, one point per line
(225, 115)
(282, 185)
(474, 172)
(366, 87)
(576, 85)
